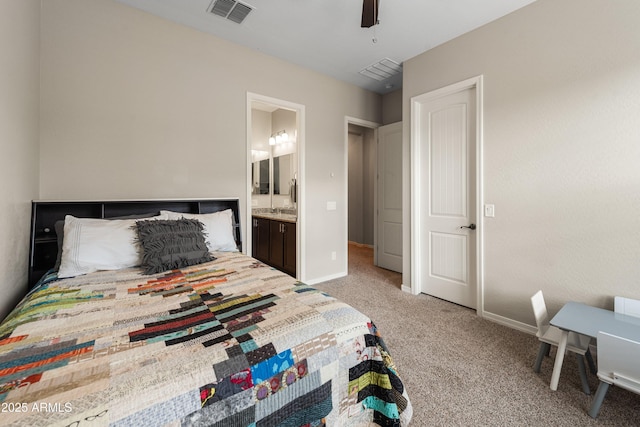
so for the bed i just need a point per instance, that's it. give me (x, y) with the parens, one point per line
(219, 340)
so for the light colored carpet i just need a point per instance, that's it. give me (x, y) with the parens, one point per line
(462, 370)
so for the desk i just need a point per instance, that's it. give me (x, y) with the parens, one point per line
(586, 320)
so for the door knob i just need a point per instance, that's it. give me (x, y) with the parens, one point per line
(470, 226)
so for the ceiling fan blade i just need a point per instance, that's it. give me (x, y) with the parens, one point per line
(369, 13)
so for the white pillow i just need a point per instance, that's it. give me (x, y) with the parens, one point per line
(218, 228)
(92, 244)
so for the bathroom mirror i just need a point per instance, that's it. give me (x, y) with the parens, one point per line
(267, 119)
(260, 177)
(274, 156)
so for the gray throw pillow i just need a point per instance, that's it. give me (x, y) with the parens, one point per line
(171, 244)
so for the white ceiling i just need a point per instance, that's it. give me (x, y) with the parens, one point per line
(325, 35)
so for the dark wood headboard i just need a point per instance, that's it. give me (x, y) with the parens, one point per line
(44, 214)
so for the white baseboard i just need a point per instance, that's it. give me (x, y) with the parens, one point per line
(325, 278)
(407, 289)
(514, 324)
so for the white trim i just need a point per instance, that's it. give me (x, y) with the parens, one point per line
(374, 126)
(301, 266)
(416, 183)
(325, 279)
(479, 85)
(407, 289)
(416, 188)
(513, 324)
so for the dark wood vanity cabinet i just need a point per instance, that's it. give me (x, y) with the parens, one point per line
(289, 249)
(260, 239)
(274, 243)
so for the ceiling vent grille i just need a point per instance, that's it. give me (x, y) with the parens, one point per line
(230, 9)
(382, 69)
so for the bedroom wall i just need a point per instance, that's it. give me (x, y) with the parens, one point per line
(134, 106)
(19, 103)
(561, 151)
(392, 107)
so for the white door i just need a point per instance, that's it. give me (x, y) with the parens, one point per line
(447, 214)
(389, 227)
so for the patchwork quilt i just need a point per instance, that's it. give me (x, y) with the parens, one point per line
(231, 342)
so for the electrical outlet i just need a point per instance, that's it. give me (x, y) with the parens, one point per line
(333, 256)
(489, 211)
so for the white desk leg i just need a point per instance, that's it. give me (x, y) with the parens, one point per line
(557, 366)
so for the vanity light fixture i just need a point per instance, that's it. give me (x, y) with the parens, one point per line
(278, 137)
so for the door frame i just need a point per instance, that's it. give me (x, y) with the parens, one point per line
(301, 205)
(417, 188)
(374, 126)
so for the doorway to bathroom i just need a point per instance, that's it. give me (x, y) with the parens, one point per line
(275, 183)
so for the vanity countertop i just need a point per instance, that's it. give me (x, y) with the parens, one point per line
(275, 215)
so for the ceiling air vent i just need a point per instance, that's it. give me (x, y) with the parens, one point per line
(230, 9)
(382, 69)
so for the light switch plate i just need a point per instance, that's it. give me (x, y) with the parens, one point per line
(331, 206)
